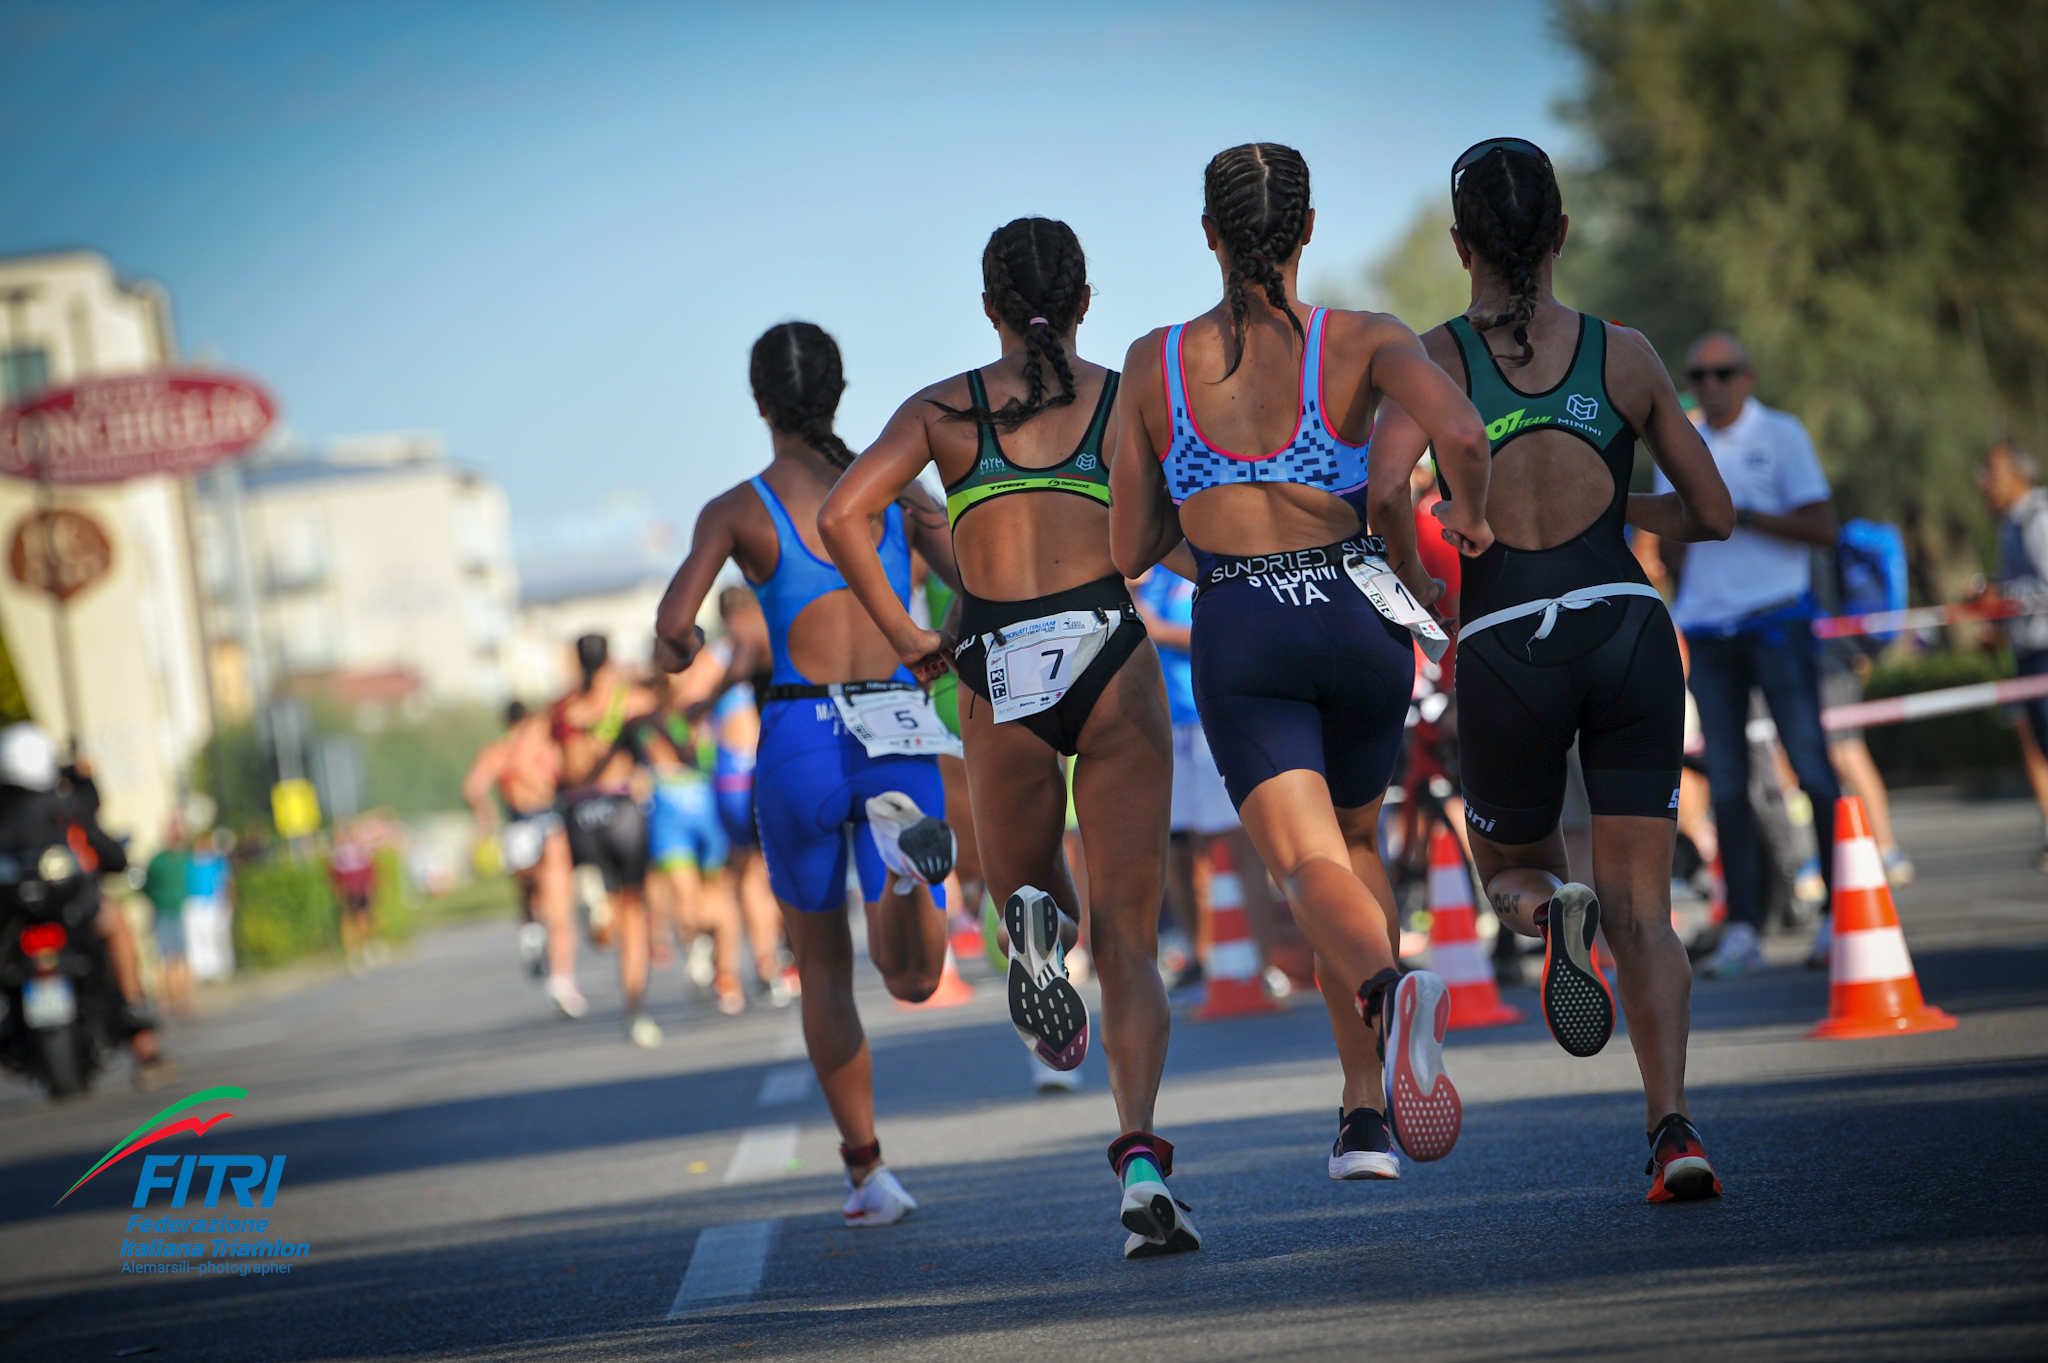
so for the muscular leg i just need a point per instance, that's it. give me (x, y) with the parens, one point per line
(634, 939)
(967, 856)
(838, 1048)
(1357, 1048)
(553, 896)
(907, 942)
(1632, 876)
(1520, 878)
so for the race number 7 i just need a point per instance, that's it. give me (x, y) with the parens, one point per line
(1058, 655)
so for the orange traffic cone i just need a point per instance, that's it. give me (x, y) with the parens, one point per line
(1235, 985)
(1872, 990)
(953, 990)
(1454, 952)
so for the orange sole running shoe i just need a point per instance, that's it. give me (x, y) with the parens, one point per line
(1678, 1163)
(1422, 1105)
(1578, 1006)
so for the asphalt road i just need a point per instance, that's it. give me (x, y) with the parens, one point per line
(479, 1179)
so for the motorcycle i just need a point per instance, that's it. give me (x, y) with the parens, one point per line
(63, 1014)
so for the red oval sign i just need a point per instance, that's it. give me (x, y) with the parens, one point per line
(107, 430)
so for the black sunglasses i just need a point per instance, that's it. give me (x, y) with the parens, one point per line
(1725, 373)
(1474, 153)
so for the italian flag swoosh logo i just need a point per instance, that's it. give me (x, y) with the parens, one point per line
(160, 1126)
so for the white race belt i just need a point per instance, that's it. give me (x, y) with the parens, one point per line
(1032, 664)
(892, 719)
(1390, 597)
(1577, 599)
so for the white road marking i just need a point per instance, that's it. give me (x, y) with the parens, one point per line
(725, 1267)
(764, 1152)
(786, 1084)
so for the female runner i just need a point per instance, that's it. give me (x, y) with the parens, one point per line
(1301, 676)
(1053, 660)
(814, 777)
(1564, 638)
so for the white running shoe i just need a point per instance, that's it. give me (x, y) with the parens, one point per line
(1158, 1224)
(1045, 1008)
(917, 847)
(1046, 1079)
(702, 963)
(1423, 1107)
(533, 949)
(644, 1032)
(879, 1200)
(563, 993)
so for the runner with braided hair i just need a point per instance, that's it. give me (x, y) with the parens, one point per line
(1564, 640)
(822, 767)
(1052, 660)
(1304, 624)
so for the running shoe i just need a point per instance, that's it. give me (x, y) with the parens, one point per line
(1736, 956)
(1422, 1106)
(701, 965)
(1364, 1147)
(1045, 1008)
(1898, 867)
(533, 949)
(877, 1200)
(1577, 1004)
(1678, 1163)
(917, 847)
(1046, 1079)
(1157, 1221)
(643, 1031)
(567, 998)
(1822, 955)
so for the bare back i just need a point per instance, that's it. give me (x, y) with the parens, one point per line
(833, 639)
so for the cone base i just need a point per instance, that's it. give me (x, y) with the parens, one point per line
(1233, 999)
(952, 992)
(1927, 1019)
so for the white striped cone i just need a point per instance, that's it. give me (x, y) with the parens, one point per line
(1454, 950)
(1236, 981)
(1872, 989)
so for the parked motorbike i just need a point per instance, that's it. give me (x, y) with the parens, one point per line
(63, 1014)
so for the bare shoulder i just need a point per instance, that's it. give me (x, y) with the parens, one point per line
(1141, 361)
(1635, 373)
(1360, 335)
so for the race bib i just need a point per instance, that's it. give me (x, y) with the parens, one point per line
(1033, 663)
(1391, 598)
(888, 718)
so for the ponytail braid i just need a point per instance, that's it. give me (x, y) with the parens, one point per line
(1507, 207)
(1036, 278)
(1257, 195)
(797, 380)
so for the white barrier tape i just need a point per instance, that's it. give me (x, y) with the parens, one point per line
(1226, 891)
(1237, 960)
(1460, 962)
(1873, 956)
(1449, 888)
(1925, 617)
(1858, 866)
(1926, 704)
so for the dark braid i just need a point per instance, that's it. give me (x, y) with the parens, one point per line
(1257, 195)
(1507, 207)
(797, 380)
(1032, 268)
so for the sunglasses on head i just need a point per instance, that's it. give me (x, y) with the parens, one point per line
(1478, 150)
(1724, 373)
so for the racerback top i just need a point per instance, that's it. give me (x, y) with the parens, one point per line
(1083, 472)
(801, 577)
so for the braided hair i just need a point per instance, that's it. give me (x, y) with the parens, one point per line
(1257, 195)
(797, 380)
(1507, 207)
(1035, 276)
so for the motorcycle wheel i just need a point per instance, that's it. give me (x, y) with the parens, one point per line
(57, 1048)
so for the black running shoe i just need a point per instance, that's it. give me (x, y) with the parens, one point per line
(1046, 1009)
(912, 843)
(1364, 1147)
(1577, 1003)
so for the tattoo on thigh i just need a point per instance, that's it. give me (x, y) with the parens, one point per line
(1507, 901)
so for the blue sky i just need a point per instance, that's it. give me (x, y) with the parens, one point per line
(551, 231)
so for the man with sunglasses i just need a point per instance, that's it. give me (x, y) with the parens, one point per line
(1746, 608)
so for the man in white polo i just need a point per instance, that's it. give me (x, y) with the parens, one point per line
(1746, 608)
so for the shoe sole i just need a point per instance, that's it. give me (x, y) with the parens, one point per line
(1577, 1004)
(1686, 1179)
(1355, 1165)
(1045, 1008)
(1156, 1224)
(926, 843)
(1423, 1108)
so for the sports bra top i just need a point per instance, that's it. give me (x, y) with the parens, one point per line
(1316, 456)
(1083, 472)
(604, 730)
(801, 577)
(1579, 404)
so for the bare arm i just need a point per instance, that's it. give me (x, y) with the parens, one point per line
(930, 533)
(1144, 524)
(1812, 524)
(676, 636)
(476, 787)
(1698, 507)
(1429, 399)
(845, 522)
(1397, 443)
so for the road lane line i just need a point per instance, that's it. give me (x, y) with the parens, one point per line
(764, 1152)
(725, 1267)
(785, 1084)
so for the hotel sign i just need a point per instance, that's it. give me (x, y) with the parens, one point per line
(107, 430)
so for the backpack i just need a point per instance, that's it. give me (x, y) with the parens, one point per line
(1870, 566)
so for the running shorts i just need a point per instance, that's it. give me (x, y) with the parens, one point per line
(1200, 802)
(684, 828)
(812, 783)
(608, 832)
(1295, 671)
(524, 838)
(1608, 676)
(1061, 725)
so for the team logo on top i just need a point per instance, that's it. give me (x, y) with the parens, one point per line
(1581, 407)
(1086, 463)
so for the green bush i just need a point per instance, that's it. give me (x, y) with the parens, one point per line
(1973, 748)
(284, 909)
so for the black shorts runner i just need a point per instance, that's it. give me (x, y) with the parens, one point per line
(609, 832)
(1060, 726)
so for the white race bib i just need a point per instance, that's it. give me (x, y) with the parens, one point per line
(890, 719)
(1032, 663)
(1391, 598)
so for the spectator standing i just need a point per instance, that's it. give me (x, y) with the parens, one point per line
(353, 870)
(2007, 477)
(209, 925)
(164, 884)
(1746, 607)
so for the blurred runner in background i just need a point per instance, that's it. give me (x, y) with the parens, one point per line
(164, 885)
(520, 768)
(352, 869)
(2007, 478)
(686, 843)
(736, 730)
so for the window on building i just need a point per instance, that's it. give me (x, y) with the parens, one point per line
(24, 373)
